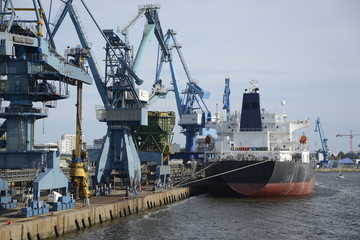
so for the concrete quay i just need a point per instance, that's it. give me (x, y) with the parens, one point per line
(338, 170)
(101, 209)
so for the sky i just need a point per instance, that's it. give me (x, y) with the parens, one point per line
(304, 52)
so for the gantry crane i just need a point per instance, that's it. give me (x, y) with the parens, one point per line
(325, 163)
(351, 135)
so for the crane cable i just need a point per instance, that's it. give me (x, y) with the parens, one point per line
(212, 164)
(220, 174)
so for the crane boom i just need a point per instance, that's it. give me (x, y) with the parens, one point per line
(351, 135)
(137, 17)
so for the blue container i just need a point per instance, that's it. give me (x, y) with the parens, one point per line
(64, 199)
(26, 209)
(27, 214)
(35, 212)
(46, 209)
(73, 203)
(5, 200)
(34, 204)
(57, 206)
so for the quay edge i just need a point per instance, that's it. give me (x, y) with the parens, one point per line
(338, 170)
(67, 221)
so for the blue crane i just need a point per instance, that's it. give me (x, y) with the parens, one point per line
(191, 107)
(325, 163)
(35, 73)
(122, 107)
(226, 98)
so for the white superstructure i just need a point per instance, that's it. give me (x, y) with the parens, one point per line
(275, 141)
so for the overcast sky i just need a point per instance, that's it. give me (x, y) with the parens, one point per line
(304, 52)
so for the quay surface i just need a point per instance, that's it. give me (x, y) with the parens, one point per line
(338, 170)
(101, 209)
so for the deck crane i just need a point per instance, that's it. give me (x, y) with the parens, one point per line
(351, 135)
(325, 163)
(191, 107)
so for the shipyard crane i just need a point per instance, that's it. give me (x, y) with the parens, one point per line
(124, 106)
(32, 72)
(191, 107)
(351, 135)
(325, 163)
(121, 108)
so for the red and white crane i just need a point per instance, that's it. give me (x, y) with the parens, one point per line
(351, 135)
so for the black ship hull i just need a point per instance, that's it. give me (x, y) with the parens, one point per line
(260, 179)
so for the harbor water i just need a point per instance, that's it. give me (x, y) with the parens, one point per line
(330, 212)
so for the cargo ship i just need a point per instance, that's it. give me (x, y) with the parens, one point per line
(256, 153)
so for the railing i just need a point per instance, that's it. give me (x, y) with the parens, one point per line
(100, 112)
(20, 22)
(20, 175)
(50, 88)
(51, 104)
(250, 129)
(31, 174)
(58, 15)
(17, 110)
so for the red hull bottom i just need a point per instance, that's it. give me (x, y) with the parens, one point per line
(267, 190)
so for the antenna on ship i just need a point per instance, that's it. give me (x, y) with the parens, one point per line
(283, 107)
(254, 85)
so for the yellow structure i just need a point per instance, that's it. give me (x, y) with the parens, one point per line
(80, 161)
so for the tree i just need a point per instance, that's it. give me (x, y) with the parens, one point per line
(351, 155)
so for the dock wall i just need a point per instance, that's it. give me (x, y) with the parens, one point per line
(338, 170)
(47, 226)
